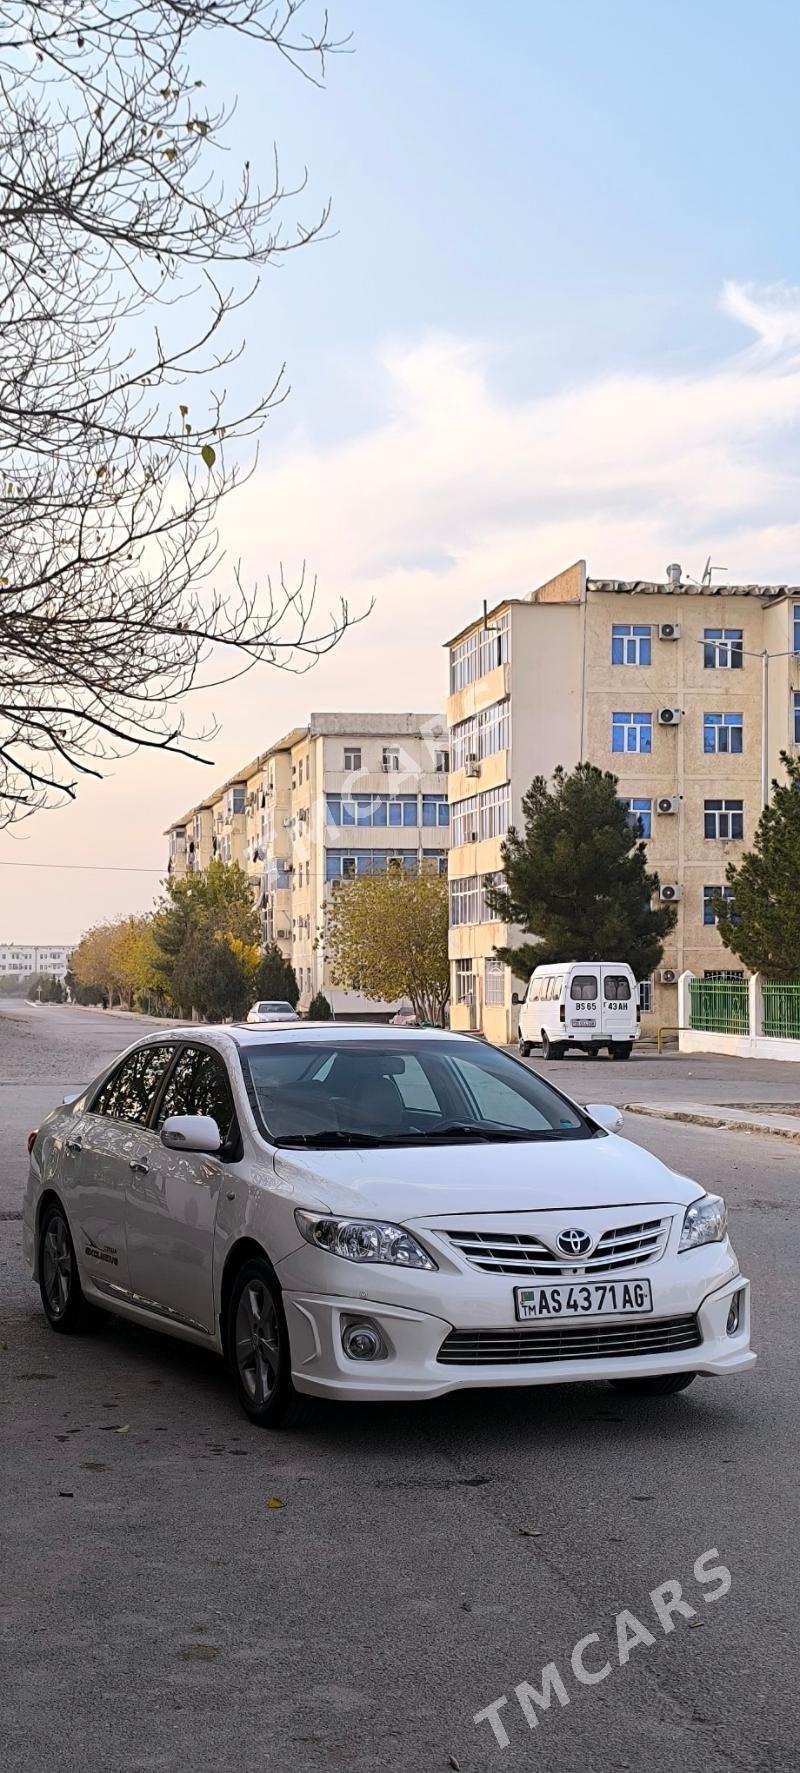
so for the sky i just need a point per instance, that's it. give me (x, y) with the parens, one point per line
(557, 316)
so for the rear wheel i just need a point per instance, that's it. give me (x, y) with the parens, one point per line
(257, 1342)
(621, 1049)
(551, 1049)
(65, 1307)
(660, 1385)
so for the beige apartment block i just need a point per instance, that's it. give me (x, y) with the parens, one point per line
(345, 795)
(688, 692)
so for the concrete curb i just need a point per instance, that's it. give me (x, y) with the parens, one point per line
(776, 1127)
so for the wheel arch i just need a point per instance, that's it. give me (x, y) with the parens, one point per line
(243, 1250)
(48, 1197)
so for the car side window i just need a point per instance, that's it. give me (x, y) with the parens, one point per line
(199, 1085)
(129, 1093)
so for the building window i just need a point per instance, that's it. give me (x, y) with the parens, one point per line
(391, 759)
(235, 801)
(465, 820)
(710, 893)
(723, 649)
(435, 810)
(372, 809)
(463, 981)
(495, 811)
(631, 732)
(723, 818)
(796, 711)
(482, 651)
(645, 995)
(494, 982)
(441, 762)
(341, 867)
(465, 901)
(482, 735)
(300, 773)
(640, 815)
(722, 732)
(352, 757)
(630, 645)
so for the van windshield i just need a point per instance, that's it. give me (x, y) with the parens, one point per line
(401, 1092)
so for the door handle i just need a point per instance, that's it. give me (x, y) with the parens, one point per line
(139, 1166)
(73, 1146)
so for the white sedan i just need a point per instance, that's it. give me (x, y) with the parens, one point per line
(272, 1010)
(376, 1213)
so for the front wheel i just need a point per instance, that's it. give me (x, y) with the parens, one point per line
(551, 1049)
(660, 1385)
(257, 1343)
(524, 1048)
(621, 1049)
(65, 1307)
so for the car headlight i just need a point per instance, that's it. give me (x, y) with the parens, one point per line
(704, 1223)
(363, 1240)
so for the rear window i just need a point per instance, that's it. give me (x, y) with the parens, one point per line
(616, 987)
(583, 987)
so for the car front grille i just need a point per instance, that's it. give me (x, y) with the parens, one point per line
(572, 1342)
(518, 1252)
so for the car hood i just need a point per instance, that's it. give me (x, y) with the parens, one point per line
(418, 1181)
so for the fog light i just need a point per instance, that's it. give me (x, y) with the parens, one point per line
(734, 1314)
(362, 1340)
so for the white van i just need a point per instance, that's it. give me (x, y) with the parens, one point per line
(588, 1004)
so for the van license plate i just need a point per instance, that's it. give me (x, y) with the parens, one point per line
(584, 1299)
(583, 1021)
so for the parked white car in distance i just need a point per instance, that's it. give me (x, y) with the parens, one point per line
(585, 1004)
(272, 1010)
(374, 1213)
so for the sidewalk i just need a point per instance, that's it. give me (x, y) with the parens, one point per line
(731, 1120)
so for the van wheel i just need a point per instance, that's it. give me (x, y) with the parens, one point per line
(551, 1049)
(524, 1048)
(621, 1049)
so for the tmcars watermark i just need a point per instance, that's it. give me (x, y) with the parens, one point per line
(591, 1664)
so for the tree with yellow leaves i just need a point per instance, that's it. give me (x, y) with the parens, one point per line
(386, 934)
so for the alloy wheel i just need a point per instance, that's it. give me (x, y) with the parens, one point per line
(57, 1265)
(258, 1352)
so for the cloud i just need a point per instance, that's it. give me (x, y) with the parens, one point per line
(460, 492)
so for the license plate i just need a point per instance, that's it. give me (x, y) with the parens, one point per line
(584, 1021)
(584, 1299)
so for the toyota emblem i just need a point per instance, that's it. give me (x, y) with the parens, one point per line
(574, 1242)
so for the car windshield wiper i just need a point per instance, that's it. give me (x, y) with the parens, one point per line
(486, 1134)
(330, 1136)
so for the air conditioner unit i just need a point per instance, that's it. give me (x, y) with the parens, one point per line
(668, 976)
(473, 837)
(472, 765)
(668, 803)
(669, 716)
(670, 892)
(669, 630)
(287, 824)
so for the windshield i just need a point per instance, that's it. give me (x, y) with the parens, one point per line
(363, 1093)
(275, 1009)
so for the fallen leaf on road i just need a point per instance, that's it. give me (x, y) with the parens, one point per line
(123, 1429)
(275, 1502)
(452, 1762)
(66, 1492)
(530, 1532)
(643, 1499)
(694, 1624)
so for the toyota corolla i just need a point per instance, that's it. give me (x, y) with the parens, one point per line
(376, 1213)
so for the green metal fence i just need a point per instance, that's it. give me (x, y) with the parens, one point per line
(781, 998)
(720, 1005)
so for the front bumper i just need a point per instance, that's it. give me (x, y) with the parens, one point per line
(414, 1338)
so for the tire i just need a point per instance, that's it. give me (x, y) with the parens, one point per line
(257, 1345)
(524, 1048)
(66, 1309)
(663, 1385)
(551, 1049)
(594, 1052)
(621, 1049)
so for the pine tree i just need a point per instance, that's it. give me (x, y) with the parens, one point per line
(276, 978)
(319, 1009)
(761, 923)
(577, 881)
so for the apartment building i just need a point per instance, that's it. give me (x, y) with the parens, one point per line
(20, 959)
(345, 795)
(688, 692)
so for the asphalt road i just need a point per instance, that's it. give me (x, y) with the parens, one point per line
(158, 1614)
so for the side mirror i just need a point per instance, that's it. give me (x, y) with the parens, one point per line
(191, 1132)
(606, 1115)
(515, 997)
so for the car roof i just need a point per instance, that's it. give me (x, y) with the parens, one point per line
(244, 1034)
